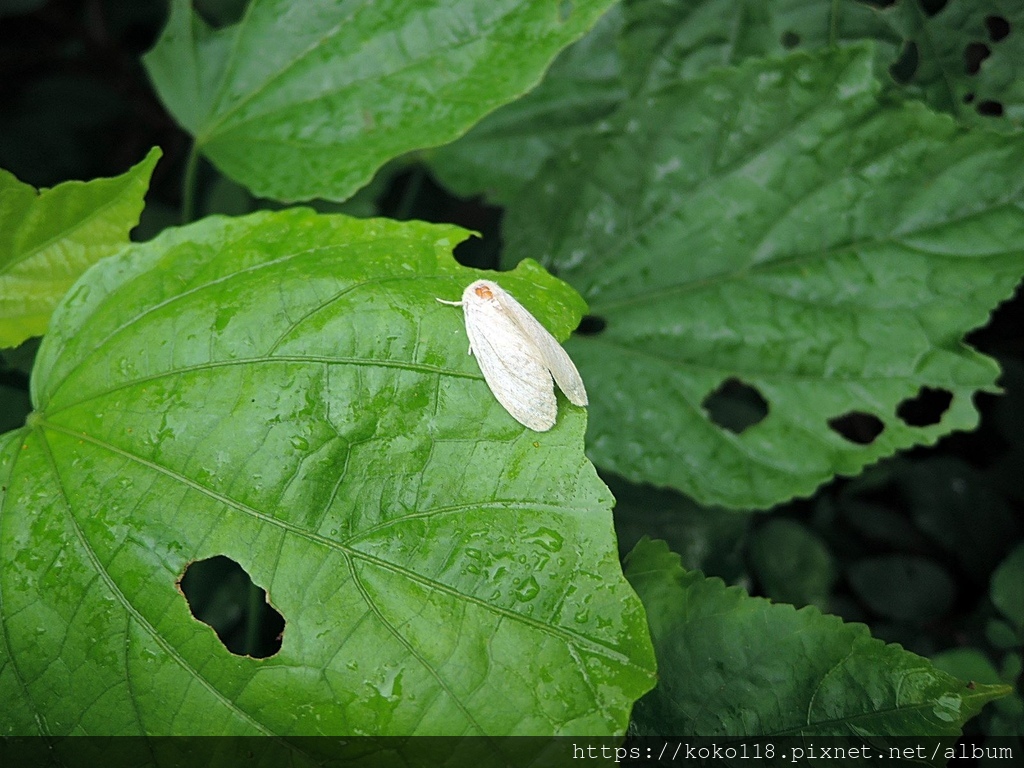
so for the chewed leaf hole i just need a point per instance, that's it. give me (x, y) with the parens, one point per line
(736, 406)
(933, 7)
(925, 408)
(974, 54)
(591, 325)
(857, 427)
(903, 69)
(790, 39)
(221, 594)
(990, 109)
(998, 27)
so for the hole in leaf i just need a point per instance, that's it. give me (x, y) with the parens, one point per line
(974, 54)
(925, 408)
(968, 98)
(998, 27)
(878, 3)
(736, 406)
(990, 109)
(790, 39)
(933, 7)
(591, 325)
(857, 427)
(221, 594)
(903, 69)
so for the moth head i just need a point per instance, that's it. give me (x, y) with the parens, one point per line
(483, 291)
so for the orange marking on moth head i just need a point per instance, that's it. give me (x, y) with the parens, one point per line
(483, 292)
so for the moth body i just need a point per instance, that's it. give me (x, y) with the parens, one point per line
(519, 359)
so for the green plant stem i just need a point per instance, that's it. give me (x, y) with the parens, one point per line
(188, 186)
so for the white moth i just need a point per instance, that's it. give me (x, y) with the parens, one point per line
(517, 356)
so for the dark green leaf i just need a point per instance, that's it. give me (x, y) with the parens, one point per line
(303, 100)
(284, 390)
(507, 148)
(739, 666)
(792, 564)
(966, 65)
(1008, 587)
(901, 587)
(967, 59)
(775, 224)
(666, 41)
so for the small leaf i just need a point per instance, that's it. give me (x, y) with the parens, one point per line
(739, 666)
(1008, 587)
(304, 100)
(776, 224)
(792, 564)
(284, 390)
(903, 587)
(49, 238)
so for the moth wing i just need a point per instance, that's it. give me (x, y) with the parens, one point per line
(554, 357)
(512, 366)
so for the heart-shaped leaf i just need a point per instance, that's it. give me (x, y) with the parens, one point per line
(303, 100)
(284, 390)
(775, 238)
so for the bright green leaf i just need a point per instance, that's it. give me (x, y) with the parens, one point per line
(507, 148)
(1008, 587)
(303, 100)
(50, 237)
(776, 225)
(283, 390)
(740, 666)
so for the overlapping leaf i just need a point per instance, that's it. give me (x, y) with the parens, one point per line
(776, 225)
(737, 666)
(302, 100)
(49, 238)
(284, 390)
(507, 148)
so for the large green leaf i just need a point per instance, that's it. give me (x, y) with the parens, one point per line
(776, 225)
(284, 390)
(50, 237)
(302, 100)
(734, 665)
(507, 148)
